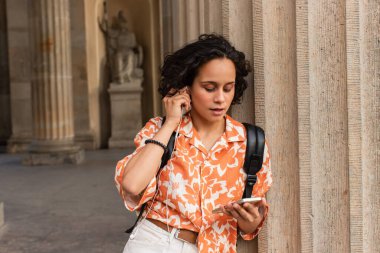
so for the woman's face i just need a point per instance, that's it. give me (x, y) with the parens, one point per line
(213, 90)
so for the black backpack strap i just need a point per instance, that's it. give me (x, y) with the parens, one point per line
(253, 156)
(164, 160)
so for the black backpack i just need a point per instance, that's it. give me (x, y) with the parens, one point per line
(252, 163)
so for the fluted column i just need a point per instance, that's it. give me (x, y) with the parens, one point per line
(354, 126)
(53, 122)
(1, 214)
(303, 97)
(328, 126)
(280, 114)
(238, 29)
(370, 108)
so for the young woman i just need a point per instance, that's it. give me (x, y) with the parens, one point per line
(205, 170)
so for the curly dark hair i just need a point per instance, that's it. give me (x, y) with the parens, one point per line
(181, 67)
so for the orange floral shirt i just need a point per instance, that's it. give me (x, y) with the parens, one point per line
(196, 181)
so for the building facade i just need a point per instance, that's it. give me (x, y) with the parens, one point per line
(315, 90)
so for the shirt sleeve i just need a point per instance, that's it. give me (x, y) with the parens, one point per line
(263, 184)
(132, 202)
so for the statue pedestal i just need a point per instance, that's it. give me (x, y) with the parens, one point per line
(125, 113)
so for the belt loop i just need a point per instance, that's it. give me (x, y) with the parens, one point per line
(172, 234)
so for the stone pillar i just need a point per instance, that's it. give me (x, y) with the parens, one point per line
(282, 233)
(19, 76)
(303, 99)
(1, 214)
(370, 108)
(213, 13)
(52, 96)
(194, 19)
(238, 29)
(328, 126)
(125, 113)
(97, 75)
(354, 126)
(5, 115)
(86, 132)
(184, 21)
(178, 24)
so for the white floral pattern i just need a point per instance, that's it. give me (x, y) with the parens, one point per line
(195, 181)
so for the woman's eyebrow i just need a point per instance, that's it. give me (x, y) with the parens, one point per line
(215, 83)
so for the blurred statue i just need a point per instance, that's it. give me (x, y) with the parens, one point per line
(124, 54)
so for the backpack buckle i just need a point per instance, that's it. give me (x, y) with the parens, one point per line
(251, 180)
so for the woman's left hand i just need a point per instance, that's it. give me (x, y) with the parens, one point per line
(248, 215)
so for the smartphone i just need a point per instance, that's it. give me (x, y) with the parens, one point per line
(248, 200)
(240, 202)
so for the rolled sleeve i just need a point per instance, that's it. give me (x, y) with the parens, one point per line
(133, 202)
(251, 236)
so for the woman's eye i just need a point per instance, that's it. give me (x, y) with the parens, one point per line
(228, 88)
(209, 89)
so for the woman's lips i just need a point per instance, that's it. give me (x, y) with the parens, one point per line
(217, 111)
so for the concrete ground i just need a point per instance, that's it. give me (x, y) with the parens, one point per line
(64, 208)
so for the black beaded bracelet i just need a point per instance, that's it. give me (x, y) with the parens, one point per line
(157, 143)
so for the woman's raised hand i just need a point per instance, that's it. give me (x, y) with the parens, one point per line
(248, 215)
(173, 105)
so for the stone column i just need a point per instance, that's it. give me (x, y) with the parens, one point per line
(212, 14)
(236, 25)
(178, 24)
(370, 108)
(5, 115)
(194, 19)
(238, 29)
(354, 111)
(282, 233)
(303, 97)
(53, 122)
(1, 214)
(86, 132)
(184, 21)
(19, 76)
(328, 126)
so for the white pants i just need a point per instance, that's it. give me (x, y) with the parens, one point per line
(148, 238)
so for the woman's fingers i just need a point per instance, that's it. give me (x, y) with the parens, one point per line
(248, 211)
(176, 101)
(244, 213)
(173, 106)
(252, 210)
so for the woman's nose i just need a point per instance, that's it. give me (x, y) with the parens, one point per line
(219, 96)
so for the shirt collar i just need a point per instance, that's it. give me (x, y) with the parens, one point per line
(186, 128)
(234, 130)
